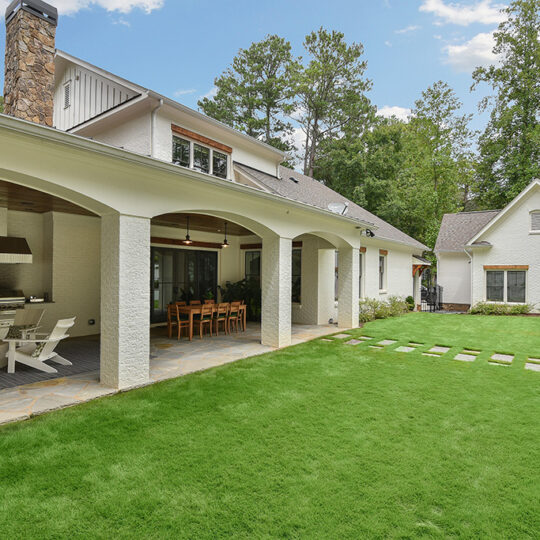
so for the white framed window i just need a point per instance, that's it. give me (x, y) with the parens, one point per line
(535, 222)
(506, 286)
(382, 272)
(361, 277)
(200, 157)
(67, 95)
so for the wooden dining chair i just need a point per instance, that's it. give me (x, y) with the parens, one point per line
(172, 318)
(232, 319)
(182, 320)
(203, 318)
(195, 303)
(210, 302)
(220, 316)
(181, 304)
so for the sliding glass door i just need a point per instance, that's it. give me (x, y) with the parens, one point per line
(180, 274)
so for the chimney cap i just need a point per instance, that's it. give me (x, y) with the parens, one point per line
(36, 7)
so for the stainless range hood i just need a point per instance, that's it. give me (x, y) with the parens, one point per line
(14, 250)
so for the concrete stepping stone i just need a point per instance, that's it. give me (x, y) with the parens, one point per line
(342, 336)
(375, 347)
(386, 342)
(533, 360)
(439, 349)
(413, 344)
(502, 358)
(500, 364)
(327, 340)
(353, 342)
(405, 349)
(431, 354)
(465, 357)
(532, 366)
(365, 338)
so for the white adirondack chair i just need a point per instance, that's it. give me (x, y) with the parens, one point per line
(35, 352)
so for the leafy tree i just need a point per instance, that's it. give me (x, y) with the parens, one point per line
(331, 93)
(510, 144)
(1, 104)
(255, 94)
(409, 174)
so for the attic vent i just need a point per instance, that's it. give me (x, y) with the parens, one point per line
(293, 179)
(535, 221)
(67, 95)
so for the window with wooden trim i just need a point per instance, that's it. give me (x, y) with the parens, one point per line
(219, 164)
(181, 151)
(506, 286)
(193, 155)
(382, 272)
(535, 221)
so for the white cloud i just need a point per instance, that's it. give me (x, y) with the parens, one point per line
(181, 92)
(407, 29)
(471, 54)
(388, 43)
(211, 93)
(69, 7)
(401, 113)
(483, 11)
(122, 22)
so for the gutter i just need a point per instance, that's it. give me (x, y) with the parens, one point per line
(76, 141)
(153, 117)
(472, 273)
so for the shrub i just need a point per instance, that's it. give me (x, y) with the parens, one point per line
(371, 309)
(485, 308)
(410, 302)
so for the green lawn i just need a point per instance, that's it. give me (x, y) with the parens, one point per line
(322, 440)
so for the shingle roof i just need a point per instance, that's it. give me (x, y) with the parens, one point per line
(458, 229)
(299, 187)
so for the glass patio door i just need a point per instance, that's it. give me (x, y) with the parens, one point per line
(180, 275)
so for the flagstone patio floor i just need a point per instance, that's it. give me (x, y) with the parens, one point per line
(169, 358)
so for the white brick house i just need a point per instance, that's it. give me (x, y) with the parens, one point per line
(492, 256)
(103, 178)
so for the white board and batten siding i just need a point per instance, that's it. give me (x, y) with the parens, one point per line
(89, 95)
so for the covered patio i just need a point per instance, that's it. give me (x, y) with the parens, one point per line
(28, 393)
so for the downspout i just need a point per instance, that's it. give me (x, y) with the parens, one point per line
(472, 273)
(153, 118)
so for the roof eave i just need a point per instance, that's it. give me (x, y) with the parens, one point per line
(73, 140)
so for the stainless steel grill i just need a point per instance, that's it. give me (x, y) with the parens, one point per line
(10, 300)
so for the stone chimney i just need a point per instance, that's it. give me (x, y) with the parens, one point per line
(29, 65)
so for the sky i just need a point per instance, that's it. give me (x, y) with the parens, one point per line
(178, 47)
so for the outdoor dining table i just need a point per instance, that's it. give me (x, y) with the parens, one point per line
(191, 310)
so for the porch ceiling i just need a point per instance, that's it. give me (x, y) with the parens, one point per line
(23, 199)
(201, 222)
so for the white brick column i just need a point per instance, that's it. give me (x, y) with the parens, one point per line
(276, 291)
(349, 274)
(125, 300)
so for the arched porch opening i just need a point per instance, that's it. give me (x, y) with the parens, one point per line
(60, 280)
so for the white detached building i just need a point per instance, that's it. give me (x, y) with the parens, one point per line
(129, 200)
(492, 256)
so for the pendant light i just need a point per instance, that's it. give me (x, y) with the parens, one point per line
(188, 241)
(225, 242)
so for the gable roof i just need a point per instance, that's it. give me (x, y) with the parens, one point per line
(457, 230)
(150, 94)
(299, 187)
(535, 184)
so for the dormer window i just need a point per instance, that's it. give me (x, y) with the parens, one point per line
(67, 95)
(200, 153)
(535, 221)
